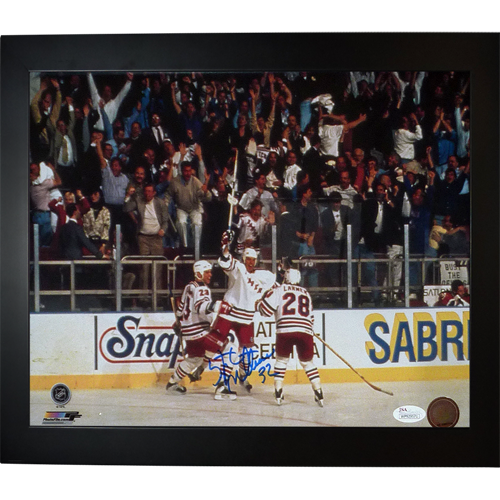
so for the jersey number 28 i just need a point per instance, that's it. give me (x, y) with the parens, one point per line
(303, 304)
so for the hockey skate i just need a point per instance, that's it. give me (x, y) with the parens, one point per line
(318, 397)
(222, 393)
(247, 385)
(278, 395)
(196, 375)
(175, 388)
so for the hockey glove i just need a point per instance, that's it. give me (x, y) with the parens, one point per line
(227, 237)
(177, 329)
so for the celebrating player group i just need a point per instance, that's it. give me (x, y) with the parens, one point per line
(205, 325)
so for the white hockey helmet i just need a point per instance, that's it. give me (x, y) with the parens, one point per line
(292, 276)
(200, 267)
(249, 252)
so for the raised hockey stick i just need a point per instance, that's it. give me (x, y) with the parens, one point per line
(231, 198)
(358, 374)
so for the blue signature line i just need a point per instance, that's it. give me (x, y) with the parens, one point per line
(231, 358)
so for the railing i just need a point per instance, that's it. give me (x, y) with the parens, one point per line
(117, 292)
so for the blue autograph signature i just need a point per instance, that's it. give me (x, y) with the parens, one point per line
(232, 358)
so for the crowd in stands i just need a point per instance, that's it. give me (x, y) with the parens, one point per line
(156, 153)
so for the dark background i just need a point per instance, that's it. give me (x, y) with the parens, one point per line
(476, 446)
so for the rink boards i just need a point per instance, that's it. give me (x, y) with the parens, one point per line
(120, 350)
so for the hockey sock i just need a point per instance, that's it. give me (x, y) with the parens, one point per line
(243, 367)
(184, 367)
(221, 362)
(225, 368)
(206, 359)
(226, 373)
(178, 374)
(279, 371)
(312, 374)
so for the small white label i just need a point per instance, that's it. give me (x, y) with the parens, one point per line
(409, 414)
(231, 199)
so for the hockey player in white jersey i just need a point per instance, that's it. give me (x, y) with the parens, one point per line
(246, 285)
(291, 305)
(195, 314)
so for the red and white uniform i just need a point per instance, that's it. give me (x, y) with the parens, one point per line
(195, 321)
(244, 289)
(292, 307)
(192, 312)
(249, 229)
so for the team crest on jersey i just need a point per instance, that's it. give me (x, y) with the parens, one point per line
(256, 286)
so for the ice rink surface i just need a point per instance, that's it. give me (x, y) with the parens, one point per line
(345, 405)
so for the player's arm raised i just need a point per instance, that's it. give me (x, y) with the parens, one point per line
(225, 260)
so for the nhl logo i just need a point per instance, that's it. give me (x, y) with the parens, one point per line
(60, 394)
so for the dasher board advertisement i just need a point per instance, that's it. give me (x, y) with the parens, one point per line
(408, 353)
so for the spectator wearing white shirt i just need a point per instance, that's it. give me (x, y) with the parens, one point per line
(63, 151)
(413, 80)
(272, 170)
(41, 186)
(46, 171)
(345, 189)
(171, 159)
(331, 129)
(358, 76)
(151, 216)
(111, 106)
(406, 136)
(291, 171)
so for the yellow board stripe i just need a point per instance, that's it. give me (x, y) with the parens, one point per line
(138, 380)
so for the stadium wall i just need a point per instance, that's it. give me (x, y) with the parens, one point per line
(122, 350)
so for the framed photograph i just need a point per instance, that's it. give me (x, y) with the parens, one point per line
(254, 242)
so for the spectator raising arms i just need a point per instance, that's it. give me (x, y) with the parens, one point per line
(269, 147)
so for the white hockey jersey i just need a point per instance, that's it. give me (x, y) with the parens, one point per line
(249, 229)
(244, 289)
(292, 307)
(192, 312)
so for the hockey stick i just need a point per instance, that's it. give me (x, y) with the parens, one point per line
(358, 374)
(231, 198)
(176, 326)
(172, 223)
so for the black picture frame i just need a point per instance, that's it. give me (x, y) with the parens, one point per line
(477, 446)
